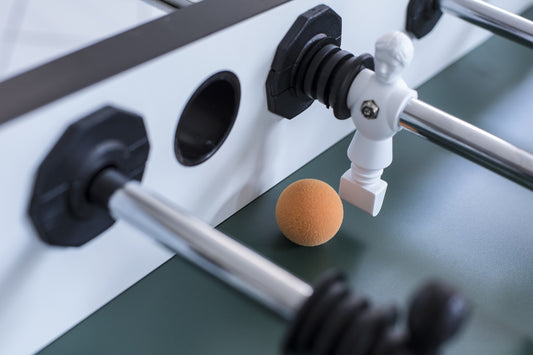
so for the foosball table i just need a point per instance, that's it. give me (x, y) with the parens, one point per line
(140, 177)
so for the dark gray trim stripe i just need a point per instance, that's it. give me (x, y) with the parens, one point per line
(87, 66)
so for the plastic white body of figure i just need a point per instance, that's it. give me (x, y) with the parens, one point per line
(376, 100)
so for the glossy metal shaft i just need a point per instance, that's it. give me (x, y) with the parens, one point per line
(469, 141)
(210, 249)
(491, 18)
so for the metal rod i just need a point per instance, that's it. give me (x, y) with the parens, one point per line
(171, 5)
(492, 18)
(210, 249)
(160, 5)
(469, 141)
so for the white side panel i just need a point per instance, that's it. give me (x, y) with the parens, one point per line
(44, 291)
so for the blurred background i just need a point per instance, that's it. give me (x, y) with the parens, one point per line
(33, 32)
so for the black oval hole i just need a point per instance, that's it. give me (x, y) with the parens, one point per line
(207, 118)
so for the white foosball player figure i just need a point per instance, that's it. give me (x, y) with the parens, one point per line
(376, 99)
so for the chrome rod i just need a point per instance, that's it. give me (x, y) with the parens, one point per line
(210, 249)
(491, 18)
(469, 141)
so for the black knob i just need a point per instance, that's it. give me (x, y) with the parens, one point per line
(437, 311)
(335, 321)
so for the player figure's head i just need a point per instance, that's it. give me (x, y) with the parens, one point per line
(393, 53)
